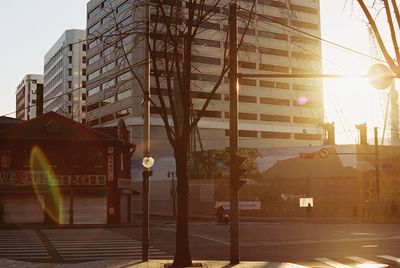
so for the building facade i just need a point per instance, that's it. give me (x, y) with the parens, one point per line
(65, 76)
(272, 112)
(29, 97)
(55, 170)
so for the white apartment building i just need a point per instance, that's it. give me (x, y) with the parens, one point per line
(272, 112)
(29, 97)
(65, 76)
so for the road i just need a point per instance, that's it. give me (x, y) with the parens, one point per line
(302, 243)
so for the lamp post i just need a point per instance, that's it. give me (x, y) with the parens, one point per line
(171, 174)
(147, 163)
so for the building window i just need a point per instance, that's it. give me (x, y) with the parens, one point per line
(83, 71)
(106, 118)
(84, 47)
(275, 118)
(93, 106)
(70, 59)
(69, 84)
(108, 100)
(123, 113)
(83, 96)
(275, 101)
(248, 99)
(275, 135)
(69, 72)
(247, 116)
(124, 95)
(84, 59)
(83, 84)
(93, 91)
(70, 47)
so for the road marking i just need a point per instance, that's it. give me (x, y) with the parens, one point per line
(359, 259)
(83, 244)
(390, 258)
(300, 242)
(366, 263)
(369, 246)
(199, 236)
(332, 263)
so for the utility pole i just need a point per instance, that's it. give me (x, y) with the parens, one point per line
(233, 135)
(377, 172)
(146, 140)
(394, 115)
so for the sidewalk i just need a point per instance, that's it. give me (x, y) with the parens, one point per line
(5, 263)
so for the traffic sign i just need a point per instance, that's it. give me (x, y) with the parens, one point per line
(323, 153)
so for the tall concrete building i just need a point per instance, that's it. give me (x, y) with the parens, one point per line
(65, 76)
(29, 97)
(272, 111)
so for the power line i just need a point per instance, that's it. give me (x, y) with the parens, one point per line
(314, 36)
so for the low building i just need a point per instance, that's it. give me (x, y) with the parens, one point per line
(29, 97)
(289, 185)
(55, 170)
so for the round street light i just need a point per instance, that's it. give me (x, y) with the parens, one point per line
(148, 161)
(380, 76)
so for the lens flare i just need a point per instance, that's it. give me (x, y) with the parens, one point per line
(44, 182)
(302, 100)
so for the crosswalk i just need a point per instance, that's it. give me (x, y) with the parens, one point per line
(94, 244)
(22, 245)
(85, 244)
(378, 261)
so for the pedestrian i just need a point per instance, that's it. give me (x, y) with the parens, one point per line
(393, 210)
(309, 210)
(219, 213)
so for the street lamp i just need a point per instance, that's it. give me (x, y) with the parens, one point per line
(171, 174)
(148, 161)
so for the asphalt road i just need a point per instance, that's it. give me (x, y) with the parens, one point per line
(298, 242)
(302, 243)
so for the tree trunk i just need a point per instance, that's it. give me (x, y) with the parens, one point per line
(182, 253)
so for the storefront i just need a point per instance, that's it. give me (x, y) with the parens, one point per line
(56, 171)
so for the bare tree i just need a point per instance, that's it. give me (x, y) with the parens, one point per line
(171, 34)
(372, 9)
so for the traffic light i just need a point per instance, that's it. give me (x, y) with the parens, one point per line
(238, 171)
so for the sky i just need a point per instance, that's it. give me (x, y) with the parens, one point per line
(29, 28)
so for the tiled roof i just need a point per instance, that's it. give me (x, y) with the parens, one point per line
(317, 167)
(53, 126)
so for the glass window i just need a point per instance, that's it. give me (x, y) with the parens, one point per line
(123, 113)
(124, 95)
(93, 91)
(108, 100)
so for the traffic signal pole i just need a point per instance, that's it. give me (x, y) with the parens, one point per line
(233, 135)
(377, 174)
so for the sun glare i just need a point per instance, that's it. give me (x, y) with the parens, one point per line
(45, 184)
